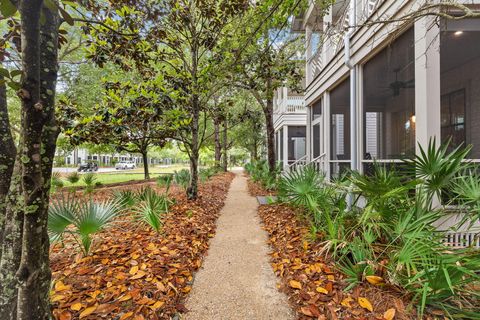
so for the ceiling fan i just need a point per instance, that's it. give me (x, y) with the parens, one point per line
(397, 85)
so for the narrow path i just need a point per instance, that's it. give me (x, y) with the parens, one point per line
(236, 281)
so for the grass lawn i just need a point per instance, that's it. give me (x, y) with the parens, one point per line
(127, 175)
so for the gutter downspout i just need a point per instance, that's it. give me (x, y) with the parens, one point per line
(353, 95)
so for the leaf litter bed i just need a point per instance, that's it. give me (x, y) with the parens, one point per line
(314, 286)
(134, 272)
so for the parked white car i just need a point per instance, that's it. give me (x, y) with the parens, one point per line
(124, 165)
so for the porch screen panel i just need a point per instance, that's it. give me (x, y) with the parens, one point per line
(340, 128)
(389, 101)
(296, 142)
(460, 84)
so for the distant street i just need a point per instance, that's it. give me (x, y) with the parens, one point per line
(100, 170)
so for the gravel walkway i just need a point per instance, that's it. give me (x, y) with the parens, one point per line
(236, 281)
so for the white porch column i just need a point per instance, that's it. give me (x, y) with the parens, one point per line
(308, 135)
(285, 147)
(427, 84)
(427, 81)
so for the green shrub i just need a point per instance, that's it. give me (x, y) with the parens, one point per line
(260, 172)
(207, 173)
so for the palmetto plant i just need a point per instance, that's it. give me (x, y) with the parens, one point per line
(207, 173)
(436, 168)
(81, 219)
(182, 178)
(152, 209)
(467, 190)
(56, 181)
(301, 187)
(125, 198)
(393, 233)
(165, 181)
(89, 179)
(73, 177)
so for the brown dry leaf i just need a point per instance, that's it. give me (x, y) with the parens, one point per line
(389, 314)
(375, 280)
(133, 270)
(126, 315)
(138, 275)
(157, 305)
(346, 302)
(125, 297)
(76, 306)
(322, 290)
(57, 297)
(65, 315)
(365, 303)
(60, 286)
(88, 311)
(295, 284)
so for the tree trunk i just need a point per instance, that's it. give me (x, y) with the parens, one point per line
(37, 112)
(225, 145)
(192, 190)
(11, 245)
(218, 146)
(48, 75)
(268, 112)
(145, 164)
(8, 153)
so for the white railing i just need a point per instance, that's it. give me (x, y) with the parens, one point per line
(318, 162)
(300, 163)
(462, 239)
(292, 104)
(315, 63)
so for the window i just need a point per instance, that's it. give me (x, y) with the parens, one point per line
(460, 83)
(389, 101)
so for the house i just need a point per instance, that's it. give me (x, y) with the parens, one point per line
(289, 121)
(81, 155)
(379, 82)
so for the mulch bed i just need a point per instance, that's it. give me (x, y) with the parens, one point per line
(314, 286)
(133, 272)
(255, 189)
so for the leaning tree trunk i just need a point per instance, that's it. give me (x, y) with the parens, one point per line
(146, 169)
(225, 145)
